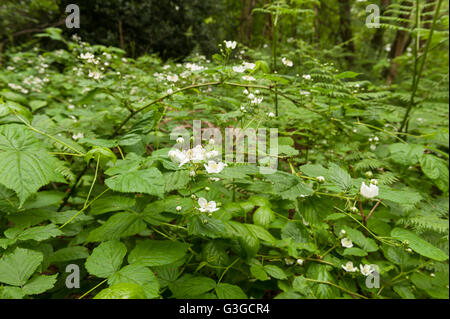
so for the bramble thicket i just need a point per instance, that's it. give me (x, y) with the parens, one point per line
(110, 189)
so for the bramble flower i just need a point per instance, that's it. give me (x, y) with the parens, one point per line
(245, 92)
(192, 173)
(178, 156)
(373, 181)
(214, 167)
(230, 44)
(178, 208)
(180, 140)
(320, 179)
(343, 232)
(346, 242)
(307, 77)
(248, 78)
(366, 270)
(206, 206)
(349, 267)
(354, 209)
(306, 93)
(300, 261)
(172, 78)
(239, 69)
(287, 62)
(369, 191)
(271, 114)
(95, 75)
(78, 136)
(249, 66)
(211, 154)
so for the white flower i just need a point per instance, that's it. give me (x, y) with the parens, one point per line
(239, 69)
(369, 191)
(206, 206)
(169, 91)
(349, 267)
(172, 78)
(230, 44)
(180, 140)
(354, 209)
(376, 139)
(214, 167)
(207, 189)
(251, 96)
(300, 261)
(306, 76)
(211, 154)
(245, 92)
(373, 181)
(256, 100)
(306, 93)
(192, 173)
(366, 270)
(271, 114)
(346, 242)
(178, 208)
(373, 147)
(87, 56)
(178, 156)
(320, 179)
(95, 74)
(249, 66)
(289, 261)
(343, 232)
(214, 179)
(287, 62)
(78, 136)
(211, 141)
(248, 78)
(71, 107)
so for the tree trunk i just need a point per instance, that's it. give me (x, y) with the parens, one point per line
(377, 40)
(345, 29)
(250, 20)
(398, 47)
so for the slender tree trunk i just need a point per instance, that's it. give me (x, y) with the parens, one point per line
(250, 20)
(431, 6)
(122, 44)
(345, 29)
(377, 40)
(398, 47)
(242, 20)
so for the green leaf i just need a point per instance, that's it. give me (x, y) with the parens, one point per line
(419, 245)
(26, 164)
(140, 275)
(340, 177)
(17, 267)
(354, 252)
(39, 284)
(189, 286)
(436, 169)
(176, 180)
(296, 231)
(117, 226)
(69, 253)
(205, 226)
(406, 154)
(275, 272)
(38, 233)
(122, 291)
(227, 291)
(263, 216)
(368, 244)
(259, 273)
(347, 75)
(106, 259)
(148, 181)
(157, 252)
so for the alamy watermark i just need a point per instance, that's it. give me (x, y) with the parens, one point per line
(373, 19)
(73, 19)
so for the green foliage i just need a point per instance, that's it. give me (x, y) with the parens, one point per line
(89, 176)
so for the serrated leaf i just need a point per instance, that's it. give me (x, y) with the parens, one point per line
(140, 275)
(123, 290)
(106, 259)
(227, 291)
(148, 181)
(26, 164)
(17, 267)
(157, 252)
(117, 226)
(39, 284)
(419, 245)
